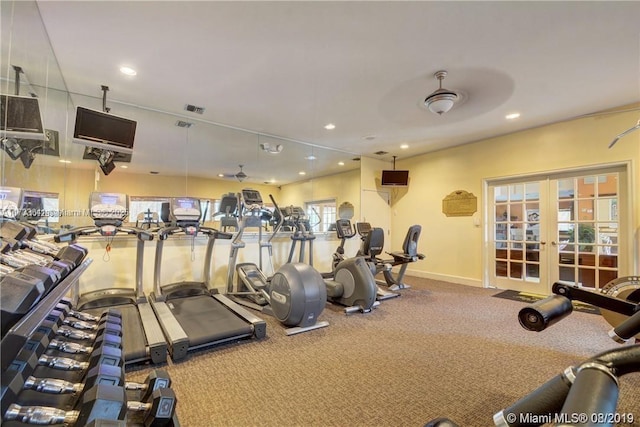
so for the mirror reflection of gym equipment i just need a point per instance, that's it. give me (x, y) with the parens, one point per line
(295, 294)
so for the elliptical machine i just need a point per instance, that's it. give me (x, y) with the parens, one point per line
(351, 283)
(295, 295)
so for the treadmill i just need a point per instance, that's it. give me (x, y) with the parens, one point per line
(193, 314)
(143, 339)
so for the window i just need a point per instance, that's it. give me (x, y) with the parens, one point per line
(41, 207)
(146, 209)
(322, 215)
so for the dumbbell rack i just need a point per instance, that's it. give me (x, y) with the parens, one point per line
(90, 387)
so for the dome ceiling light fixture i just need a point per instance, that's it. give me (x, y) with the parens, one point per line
(442, 100)
(241, 176)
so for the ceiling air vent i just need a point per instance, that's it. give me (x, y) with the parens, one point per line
(183, 124)
(194, 109)
(380, 153)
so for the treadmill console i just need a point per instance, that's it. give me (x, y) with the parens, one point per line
(108, 206)
(10, 202)
(185, 209)
(251, 197)
(344, 229)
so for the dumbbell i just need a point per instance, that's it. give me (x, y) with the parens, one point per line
(19, 294)
(5, 269)
(66, 307)
(32, 390)
(157, 409)
(26, 362)
(49, 276)
(100, 374)
(102, 355)
(101, 402)
(58, 322)
(107, 333)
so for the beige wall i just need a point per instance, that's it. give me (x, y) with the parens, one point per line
(453, 245)
(344, 187)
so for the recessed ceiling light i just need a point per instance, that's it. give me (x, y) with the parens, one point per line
(302, 173)
(124, 167)
(128, 71)
(273, 180)
(512, 116)
(404, 146)
(329, 126)
(311, 157)
(221, 175)
(340, 163)
(369, 137)
(64, 161)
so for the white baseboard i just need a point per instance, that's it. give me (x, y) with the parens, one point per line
(446, 278)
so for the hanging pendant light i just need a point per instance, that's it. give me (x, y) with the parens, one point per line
(442, 100)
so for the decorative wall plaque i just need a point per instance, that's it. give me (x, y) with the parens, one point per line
(460, 203)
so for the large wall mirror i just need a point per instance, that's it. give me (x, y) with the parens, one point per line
(172, 155)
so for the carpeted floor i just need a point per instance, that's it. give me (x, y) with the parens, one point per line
(441, 349)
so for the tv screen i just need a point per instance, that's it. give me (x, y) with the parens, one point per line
(21, 118)
(395, 178)
(95, 128)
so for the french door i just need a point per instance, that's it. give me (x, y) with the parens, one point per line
(569, 227)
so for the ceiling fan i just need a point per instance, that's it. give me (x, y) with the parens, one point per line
(240, 176)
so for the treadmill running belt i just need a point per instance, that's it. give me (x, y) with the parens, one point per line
(134, 340)
(205, 320)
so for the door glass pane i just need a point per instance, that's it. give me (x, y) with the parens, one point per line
(533, 271)
(608, 185)
(567, 274)
(588, 235)
(501, 268)
(532, 191)
(501, 212)
(605, 276)
(585, 210)
(586, 186)
(516, 192)
(515, 270)
(587, 277)
(566, 189)
(501, 193)
(515, 212)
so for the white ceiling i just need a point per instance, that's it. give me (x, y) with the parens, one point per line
(288, 68)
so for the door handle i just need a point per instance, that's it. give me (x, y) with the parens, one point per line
(543, 242)
(554, 243)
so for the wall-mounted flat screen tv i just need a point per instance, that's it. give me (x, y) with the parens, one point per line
(395, 178)
(21, 118)
(97, 129)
